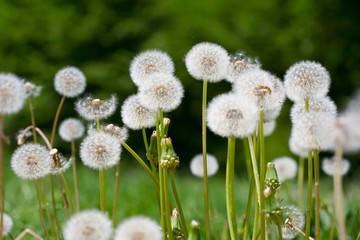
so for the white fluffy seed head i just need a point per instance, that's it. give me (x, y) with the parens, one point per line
(321, 105)
(239, 64)
(162, 91)
(31, 161)
(92, 108)
(71, 129)
(88, 225)
(100, 150)
(12, 93)
(149, 62)
(135, 116)
(286, 168)
(306, 80)
(197, 167)
(231, 115)
(70, 82)
(264, 88)
(269, 127)
(296, 148)
(207, 61)
(331, 167)
(315, 131)
(138, 228)
(32, 90)
(7, 224)
(351, 131)
(121, 133)
(293, 221)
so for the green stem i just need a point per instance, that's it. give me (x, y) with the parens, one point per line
(204, 152)
(2, 189)
(262, 175)
(230, 190)
(247, 159)
(74, 173)
(52, 227)
(56, 119)
(317, 194)
(40, 208)
(255, 168)
(248, 208)
(287, 192)
(153, 167)
(167, 204)
(256, 219)
(309, 196)
(102, 189)
(116, 194)
(54, 203)
(301, 183)
(32, 116)
(68, 192)
(178, 203)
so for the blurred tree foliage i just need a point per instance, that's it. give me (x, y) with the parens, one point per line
(38, 37)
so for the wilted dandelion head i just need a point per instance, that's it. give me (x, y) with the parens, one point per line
(100, 150)
(71, 129)
(7, 224)
(121, 133)
(149, 62)
(306, 80)
(70, 82)
(31, 161)
(138, 228)
(321, 105)
(207, 61)
(331, 167)
(31, 90)
(315, 131)
(93, 108)
(197, 167)
(239, 64)
(135, 116)
(231, 115)
(88, 225)
(162, 91)
(294, 221)
(286, 168)
(264, 88)
(12, 93)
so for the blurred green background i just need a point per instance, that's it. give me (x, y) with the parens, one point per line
(39, 37)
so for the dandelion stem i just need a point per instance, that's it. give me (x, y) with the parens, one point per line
(67, 191)
(178, 203)
(248, 208)
(54, 202)
(204, 152)
(2, 189)
(102, 190)
(262, 175)
(301, 183)
(230, 190)
(309, 196)
(53, 230)
(40, 208)
(116, 194)
(76, 188)
(32, 115)
(254, 167)
(56, 119)
(167, 204)
(317, 194)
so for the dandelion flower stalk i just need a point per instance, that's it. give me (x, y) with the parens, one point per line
(56, 119)
(40, 208)
(230, 190)
(2, 191)
(116, 192)
(301, 183)
(317, 194)
(74, 172)
(262, 176)
(309, 195)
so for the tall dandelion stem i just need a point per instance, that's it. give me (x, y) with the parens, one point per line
(116, 193)
(317, 194)
(167, 204)
(2, 191)
(40, 208)
(309, 195)
(262, 175)
(32, 115)
(102, 190)
(56, 119)
(76, 188)
(230, 190)
(301, 183)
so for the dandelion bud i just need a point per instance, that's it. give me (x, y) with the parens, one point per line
(207, 61)
(166, 126)
(197, 166)
(12, 93)
(92, 109)
(71, 129)
(88, 225)
(7, 224)
(194, 231)
(175, 225)
(286, 168)
(70, 82)
(306, 80)
(272, 182)
(169, 159)
(138, 227)
(150, 62)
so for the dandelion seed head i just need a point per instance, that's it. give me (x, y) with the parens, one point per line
(294, 221)
(149, 62)
(331, 167)
(230, 115)
(138, 228)
(100, 150)
(239, 64)
(207, 61)
(197, 167)
(306, 80)
(121, 133)
(88, 225)
(12, 93)
(296, 148)
(269, 127)
(286, 168)
(31, 90)
(71, 129)
(162, 91)
(135, 116)
(70, 82)
(7, 224)
(93, 108)
(59, 163)
(31, 161)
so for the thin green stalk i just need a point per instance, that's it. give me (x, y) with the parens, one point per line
(52, 227)
(247, 159)
(178, 203)
(279, 228)
(254, 167)
(204, 152)
(68, 192)
(65, 202)
(256, 219)
(54, 203)
(167, 204)
(56, 119)
(102, 189)
(40, 208)
(301, 183)
(262, 175)
(230, 190)
(309, 196)
(153, 167)
(2, 189)
(248, 208)
(74, 173)
(317, 194)
(116, 194)
(32, 115)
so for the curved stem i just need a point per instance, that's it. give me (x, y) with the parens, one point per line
(230, 190)
(56, 119)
